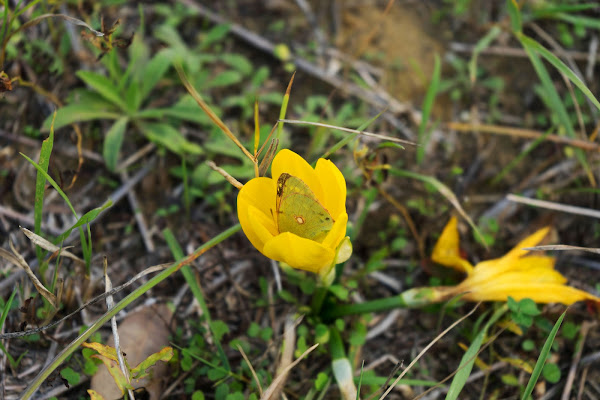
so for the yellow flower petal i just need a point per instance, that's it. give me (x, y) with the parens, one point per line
(299, 252)
(334, 187)
(446, 250)
(289, 162)
(255, 202)
(530, 241)
(337, 232)
(538, 292)
(264, 228)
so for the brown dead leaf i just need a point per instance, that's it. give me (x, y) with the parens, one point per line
(141, 334)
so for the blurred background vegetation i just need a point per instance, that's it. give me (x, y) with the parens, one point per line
(499, 97)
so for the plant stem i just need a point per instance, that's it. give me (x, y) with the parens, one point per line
(412, 298)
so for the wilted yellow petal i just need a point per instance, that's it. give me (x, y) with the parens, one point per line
(530, 241)
(538, 292)
(447, 251)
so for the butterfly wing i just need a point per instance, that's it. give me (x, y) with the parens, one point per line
(299, 211)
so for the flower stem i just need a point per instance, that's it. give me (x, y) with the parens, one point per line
(413, 298)
(318, 298)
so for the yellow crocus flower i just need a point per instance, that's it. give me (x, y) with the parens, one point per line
(516, 274)
(301, 193)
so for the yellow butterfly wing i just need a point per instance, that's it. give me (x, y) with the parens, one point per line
(299, 211)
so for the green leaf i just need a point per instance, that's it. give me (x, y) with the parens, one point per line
(169, 137)
(154, 71)
(253, 330)
(140, 371)
(238, 62)
(225, 78)
(85, 219)
(214, 35)
(133, 96)
(104, 86)
(551, 373)
(339, 291)
(537, 370)
(321, 381)
(198, 395)
(78, 113)
(219, 328)
(113, 142)
(71, 376)
(528, 307)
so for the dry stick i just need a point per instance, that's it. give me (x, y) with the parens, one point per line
(139, 216)
(339, 128)
(254, 376)
(380, 99)
(592, 58)
(522, 133)
(409, 221)
(57, 149)
(582, 381)
(225, 175)
(113, 324)
(434, 341)
(554, 206)
(562, 247)
(571, 377)
(289, 344)
(275, 383)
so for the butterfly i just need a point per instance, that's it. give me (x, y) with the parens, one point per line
(299, 211)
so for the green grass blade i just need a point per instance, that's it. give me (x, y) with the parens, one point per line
(432, 91)
(514, 13)
(539, 365)
(85, 245)
(188, 274)
(481, 45)
(531, 45)
(284, 104)
(593, 23)
(553, 99)
(40, 185)
(7, 306)
(85, 219)
(444, 191)
(468, 359)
